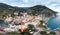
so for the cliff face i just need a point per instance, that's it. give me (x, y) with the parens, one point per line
(35, 10)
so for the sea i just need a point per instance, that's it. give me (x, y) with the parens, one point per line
(54, 23)
(2, 24)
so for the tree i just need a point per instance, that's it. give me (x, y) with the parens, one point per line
(41, 21)
(43, 32)
(30, 26)
(52, 33)
(26, 32)
(20, 14)
(43, 24)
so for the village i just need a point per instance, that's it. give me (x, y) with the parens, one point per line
(22, 21)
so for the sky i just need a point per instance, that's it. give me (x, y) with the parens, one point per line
(52, 4)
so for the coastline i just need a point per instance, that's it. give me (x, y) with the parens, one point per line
(1, 19)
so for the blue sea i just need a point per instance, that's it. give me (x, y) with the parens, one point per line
(2, 24)
(52, 23)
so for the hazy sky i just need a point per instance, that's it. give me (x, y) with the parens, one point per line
(52, 4)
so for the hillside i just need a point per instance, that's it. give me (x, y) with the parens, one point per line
(38, 9)
(7, 9)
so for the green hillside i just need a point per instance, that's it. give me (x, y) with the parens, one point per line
(38, 9)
